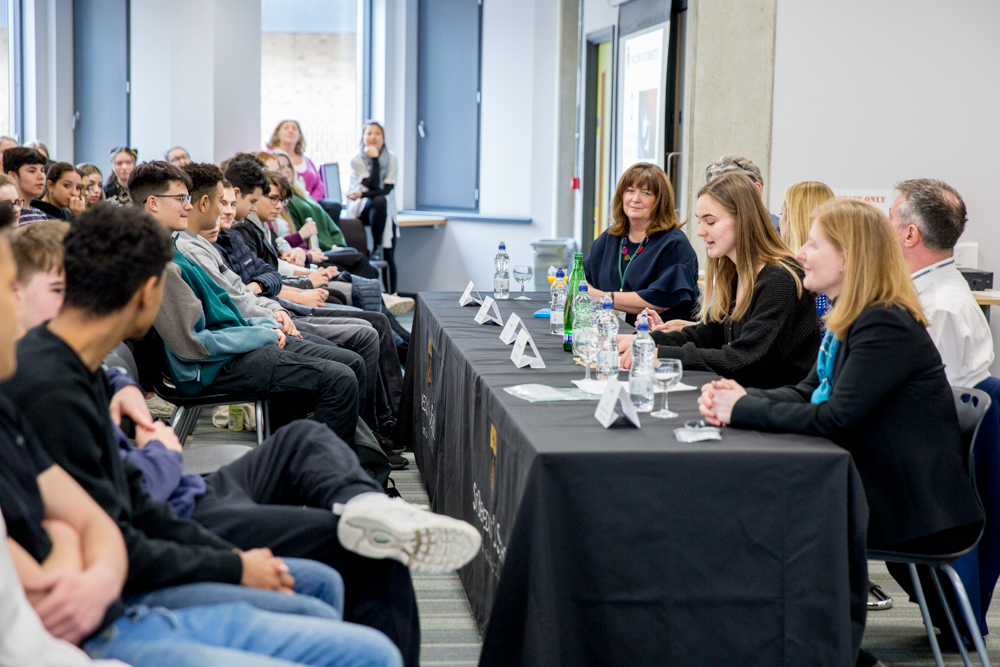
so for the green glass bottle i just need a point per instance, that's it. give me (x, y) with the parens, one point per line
(573, 285)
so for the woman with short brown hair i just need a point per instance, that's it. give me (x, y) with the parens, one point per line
(644, 260)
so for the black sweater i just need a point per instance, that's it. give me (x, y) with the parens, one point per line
(774, 344)
(67, 406)
(891, 406)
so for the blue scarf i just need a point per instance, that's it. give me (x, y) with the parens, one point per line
(824, 368)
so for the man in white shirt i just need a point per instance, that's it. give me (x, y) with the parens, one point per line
(928, 217)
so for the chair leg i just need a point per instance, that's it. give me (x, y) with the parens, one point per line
(971, 619)
(259, 411)
(926, 614)
(177, 418)
(267, 417)
(951, 619)
(187, 426)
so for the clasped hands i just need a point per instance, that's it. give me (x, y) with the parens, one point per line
(717, 400)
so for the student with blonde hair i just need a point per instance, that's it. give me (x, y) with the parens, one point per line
(796, 211)
(758, 324)
(644, 260)
(878, 388)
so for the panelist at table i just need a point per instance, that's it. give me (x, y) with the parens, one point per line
(878, 388)
(644, 260)
(758, 325)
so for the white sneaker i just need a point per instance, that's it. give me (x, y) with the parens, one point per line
(377, 526)
(397, 305)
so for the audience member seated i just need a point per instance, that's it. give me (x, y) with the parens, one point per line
(41, 148)
(373, 177)
(71, 557)
(878, 388)
(63, 194)
(26, 167)
(255, 500)
(357, 336)
(796, 217)
(41, 282)
(5, 143)
(742, 165)
(8, 191)
(210, 344)
(258, 234)
(93, 183)
(10, 215)
(287, 136)
(644, 260)
(330, 239)
(177, 156)
(757, 323)
(122, 163)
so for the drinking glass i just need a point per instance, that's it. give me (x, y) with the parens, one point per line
(552, 274)
(585, 346)
(668, 373)
(522, 274)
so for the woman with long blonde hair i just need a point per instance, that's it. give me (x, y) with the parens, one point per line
(757, 324)
(800, 201)
(878, 388)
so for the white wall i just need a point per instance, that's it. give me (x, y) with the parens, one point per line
(195, 77)
(48, 75)
(517, 149)
(868, 94)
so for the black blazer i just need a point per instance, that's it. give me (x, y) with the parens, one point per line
(260, 243)
(774, 344)
(891, 406)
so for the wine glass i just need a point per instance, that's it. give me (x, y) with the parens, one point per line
(522, 274)
(585, 346)
(667, 373)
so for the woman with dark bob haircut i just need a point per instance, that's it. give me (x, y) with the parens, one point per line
(644, 260)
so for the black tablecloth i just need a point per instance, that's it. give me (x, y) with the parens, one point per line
(624, 546)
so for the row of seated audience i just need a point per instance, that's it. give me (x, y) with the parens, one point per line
(901, 327)
(166, 568)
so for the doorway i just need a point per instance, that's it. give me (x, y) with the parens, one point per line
(598, 123)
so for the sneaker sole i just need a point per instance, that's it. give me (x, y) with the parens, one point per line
(441, 544)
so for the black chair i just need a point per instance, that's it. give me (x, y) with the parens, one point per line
(972, 405)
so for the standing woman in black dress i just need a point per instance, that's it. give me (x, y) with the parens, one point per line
(644, 260)
(373, 176)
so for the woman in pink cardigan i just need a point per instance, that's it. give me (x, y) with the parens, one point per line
(288, 137)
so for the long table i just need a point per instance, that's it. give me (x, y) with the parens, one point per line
(623, 546)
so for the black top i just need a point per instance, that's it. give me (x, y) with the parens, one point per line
(67, 406)
(891, 406)
(374, 180)
(20, 500)
(52, 210)
(260, 243)
(664, 273)
(774, 344)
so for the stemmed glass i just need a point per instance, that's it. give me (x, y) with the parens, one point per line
(522, 274)
(668, 373)
(585, 346)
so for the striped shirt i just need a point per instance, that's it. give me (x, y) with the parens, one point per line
(31, 214)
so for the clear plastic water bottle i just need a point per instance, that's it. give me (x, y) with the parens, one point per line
(607, 341)
(641, 380)
(557, 303)
(313, 240)
(501, 274)
(582, 308)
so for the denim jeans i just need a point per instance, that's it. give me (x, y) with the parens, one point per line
(238, 634)
(319, 588)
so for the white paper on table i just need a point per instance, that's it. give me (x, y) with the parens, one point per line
(614, 393)
(484, 316)
(510, 329)
(597, 386)
(467, 297)
(518, 356)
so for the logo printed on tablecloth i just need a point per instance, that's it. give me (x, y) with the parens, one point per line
(493, 448)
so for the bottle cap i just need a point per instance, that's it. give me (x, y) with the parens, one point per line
(560, 274)
(608, 303)
(503, 246)
(583, 287)
(578, 255)
(642, 324)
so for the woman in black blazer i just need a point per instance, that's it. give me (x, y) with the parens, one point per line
(757, 323)
(878, 388)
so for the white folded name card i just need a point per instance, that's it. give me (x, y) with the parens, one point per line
(484, 315)
(510, 329)
(517, 354)
(467, 298)
(615, 392)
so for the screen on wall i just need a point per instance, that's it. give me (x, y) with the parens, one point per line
(642, 96)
